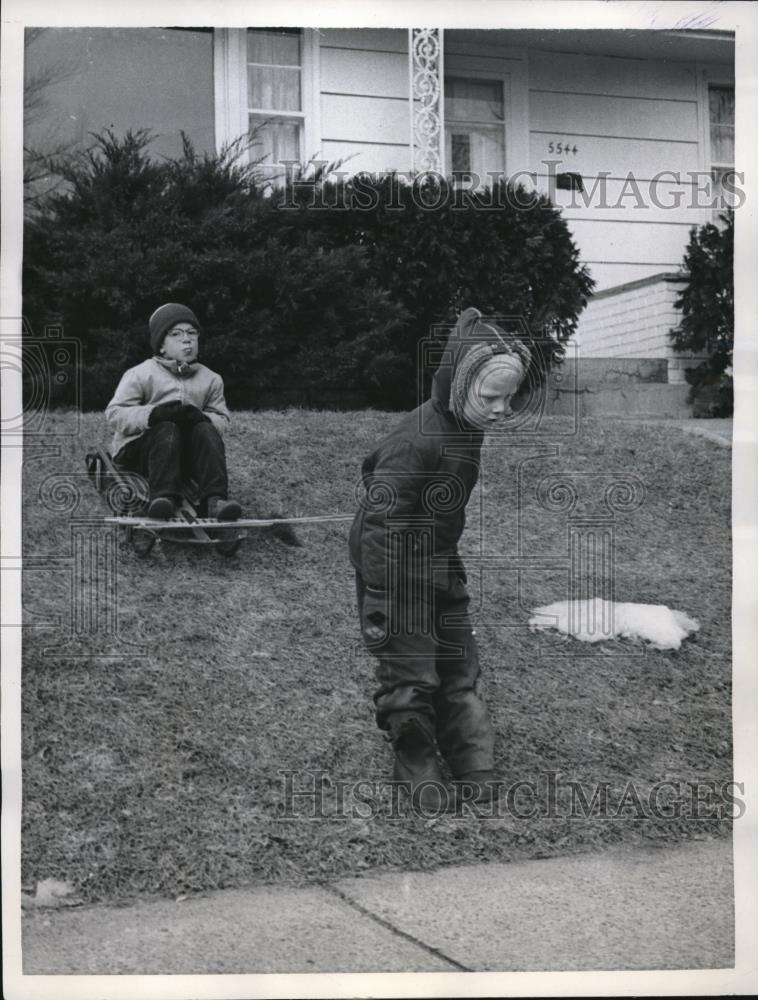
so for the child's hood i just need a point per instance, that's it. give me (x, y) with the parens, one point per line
(471, 330)
(184, 369)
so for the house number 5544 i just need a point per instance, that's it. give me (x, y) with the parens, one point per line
(561, 147)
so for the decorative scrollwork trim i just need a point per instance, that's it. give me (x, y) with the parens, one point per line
(426, 99)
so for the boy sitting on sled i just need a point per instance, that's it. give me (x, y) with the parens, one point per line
(412, 598)
(169, 414)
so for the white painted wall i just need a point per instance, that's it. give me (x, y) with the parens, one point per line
(626, 116)
(365, 115)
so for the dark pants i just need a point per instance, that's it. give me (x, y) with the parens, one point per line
(428, 669)
(167, 454)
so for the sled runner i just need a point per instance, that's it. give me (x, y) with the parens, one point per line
(127, 497)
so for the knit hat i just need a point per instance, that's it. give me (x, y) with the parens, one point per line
(164, 318)
(475, 342)
(472, 343)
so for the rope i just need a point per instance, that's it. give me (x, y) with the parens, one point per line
(200, 522)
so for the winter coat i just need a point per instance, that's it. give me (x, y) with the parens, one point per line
(153, 382)
(425, 468)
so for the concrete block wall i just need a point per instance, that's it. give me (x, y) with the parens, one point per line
(619, 387)
(603, 372)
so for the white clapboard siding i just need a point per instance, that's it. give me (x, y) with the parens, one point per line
(364, 119)
(657, 244)
(676, 218)
(373, 158)
(616, 157)
(562, 73)
(627, 118)
(364, 99)
(606, 115)
(463, 63)
(629, 201)
(482, 41)
(365, 39)
(377, 74)
(488, 58)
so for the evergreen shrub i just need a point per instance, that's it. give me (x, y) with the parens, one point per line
(707, 324)
(314, 293)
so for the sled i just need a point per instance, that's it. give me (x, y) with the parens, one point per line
(127, 497)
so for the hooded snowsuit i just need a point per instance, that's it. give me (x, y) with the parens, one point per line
(409, 577)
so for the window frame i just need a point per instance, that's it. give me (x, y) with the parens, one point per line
(710, 76)
(512, 76)
(277, 115)
(491, 126)
(717, 166)
(231, 97)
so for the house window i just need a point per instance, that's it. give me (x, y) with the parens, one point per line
(275, 93)
(721, 123)
(474, 129)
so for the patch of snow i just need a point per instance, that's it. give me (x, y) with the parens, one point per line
(596, 620)
(51, 893)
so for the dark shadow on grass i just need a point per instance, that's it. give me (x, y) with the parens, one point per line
(285, 533)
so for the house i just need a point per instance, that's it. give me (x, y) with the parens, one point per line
(630, 132)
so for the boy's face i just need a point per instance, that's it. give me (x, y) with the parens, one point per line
(489, 399)
(180, 343)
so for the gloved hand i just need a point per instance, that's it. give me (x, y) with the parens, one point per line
(165, 413)
(190, 415)
(375, 611)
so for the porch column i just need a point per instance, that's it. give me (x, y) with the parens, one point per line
(427, 76)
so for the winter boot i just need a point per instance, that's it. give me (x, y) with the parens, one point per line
(416, 767)
(223, 510)
(161, 508)
(477, 787)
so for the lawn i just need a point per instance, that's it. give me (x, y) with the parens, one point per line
(168, 772)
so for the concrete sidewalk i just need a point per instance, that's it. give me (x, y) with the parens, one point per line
(625, 908)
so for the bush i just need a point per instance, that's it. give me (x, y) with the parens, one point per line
(707, 324)
(439, 249)
(318, 292)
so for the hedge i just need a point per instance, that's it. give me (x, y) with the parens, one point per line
(316, 292)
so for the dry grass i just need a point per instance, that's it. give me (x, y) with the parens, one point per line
(165, 774)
